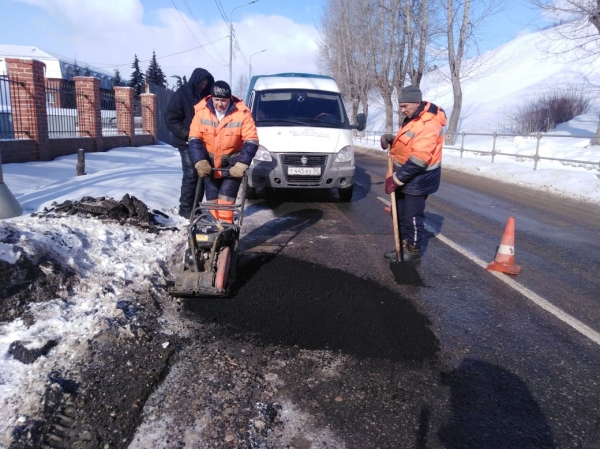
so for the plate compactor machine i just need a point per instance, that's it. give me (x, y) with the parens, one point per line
(209, 263)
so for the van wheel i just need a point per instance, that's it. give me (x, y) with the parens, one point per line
(346, 194)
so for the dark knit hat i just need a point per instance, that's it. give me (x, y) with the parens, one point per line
(220, 89)
(410, 94)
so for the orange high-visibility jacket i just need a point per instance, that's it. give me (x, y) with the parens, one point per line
(233, 139)
(417, 150)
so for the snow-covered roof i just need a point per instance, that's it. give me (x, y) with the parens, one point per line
(57, 66)
(316, 82)
(53, 69)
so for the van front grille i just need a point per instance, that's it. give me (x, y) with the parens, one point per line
(311, 160)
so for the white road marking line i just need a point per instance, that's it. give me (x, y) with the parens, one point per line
(534, 297)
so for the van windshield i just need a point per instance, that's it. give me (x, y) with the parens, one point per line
(299, 108)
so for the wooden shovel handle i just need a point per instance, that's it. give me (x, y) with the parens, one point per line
(399, 255)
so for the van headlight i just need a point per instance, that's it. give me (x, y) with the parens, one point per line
(345, 154)
(262, 155)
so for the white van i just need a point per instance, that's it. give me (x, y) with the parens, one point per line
(304, 134)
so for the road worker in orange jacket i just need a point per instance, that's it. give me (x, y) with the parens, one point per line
(222, 135)
(417, 156)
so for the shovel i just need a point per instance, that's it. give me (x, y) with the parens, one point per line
(404, 273)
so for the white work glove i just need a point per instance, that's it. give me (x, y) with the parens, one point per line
(238, 170)
(203, 168)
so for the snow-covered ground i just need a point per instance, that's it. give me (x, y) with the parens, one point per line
(109, 255)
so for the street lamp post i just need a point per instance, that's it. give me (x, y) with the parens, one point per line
(250, 63)
(231, 38)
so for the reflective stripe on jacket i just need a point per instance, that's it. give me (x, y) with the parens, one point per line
(417, 150)
(233, 139)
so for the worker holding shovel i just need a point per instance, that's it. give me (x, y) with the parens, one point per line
(416, 153)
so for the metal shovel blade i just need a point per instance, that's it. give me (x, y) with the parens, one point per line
(406, 273)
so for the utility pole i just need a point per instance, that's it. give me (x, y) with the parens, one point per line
(231, 39)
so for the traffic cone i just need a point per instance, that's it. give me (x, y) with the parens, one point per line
(505, 257)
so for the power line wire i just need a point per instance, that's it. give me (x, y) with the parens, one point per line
(231, 30)
(191, 32)
(200, 27)
(100, 65)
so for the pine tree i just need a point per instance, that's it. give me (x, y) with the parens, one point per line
(154, 74)
(178, 82)
(184, 80)
(117, 80)
(87, 71)
(137, 78)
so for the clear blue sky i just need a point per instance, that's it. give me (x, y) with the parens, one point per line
(107, 33)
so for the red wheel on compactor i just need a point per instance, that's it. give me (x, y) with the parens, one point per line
(223, 267)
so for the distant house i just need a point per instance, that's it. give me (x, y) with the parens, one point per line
(59, 73)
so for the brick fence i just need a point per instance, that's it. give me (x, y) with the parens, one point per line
(30, 117)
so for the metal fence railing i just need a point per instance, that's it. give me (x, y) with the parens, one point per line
(531, 144)
(6, 122)
(11, 125)
(61, 106)
(534, 154)
(137, 116)
(108, 113)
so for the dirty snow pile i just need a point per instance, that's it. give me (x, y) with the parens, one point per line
(88, 264)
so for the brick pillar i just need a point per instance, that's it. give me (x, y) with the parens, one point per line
(124, 105)
(28, 98)
(149, 114)
(88, 108)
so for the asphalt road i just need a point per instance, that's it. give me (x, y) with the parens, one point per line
(321, 347)
(508, 372)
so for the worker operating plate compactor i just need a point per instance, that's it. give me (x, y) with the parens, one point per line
(209, 263)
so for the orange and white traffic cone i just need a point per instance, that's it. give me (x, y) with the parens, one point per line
(505, 257)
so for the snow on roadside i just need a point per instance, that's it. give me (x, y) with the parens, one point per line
(110, 262)
(579, 181)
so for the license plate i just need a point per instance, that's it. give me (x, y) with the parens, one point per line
(304, 171)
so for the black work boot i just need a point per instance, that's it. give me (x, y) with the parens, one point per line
(391, 255)
(185, 213)
(411, 253)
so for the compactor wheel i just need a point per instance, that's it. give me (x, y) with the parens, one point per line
(223, 267)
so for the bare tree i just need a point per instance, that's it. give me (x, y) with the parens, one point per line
(402, 47)
(363, 75)
(417, 29)
(387, 45)
(241, 86)
(341, 52)
(580, 12)
(461, 26)
(336, 48)
(456, 52)
(576, 22)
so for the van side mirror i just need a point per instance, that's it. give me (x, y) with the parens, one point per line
(361, 122)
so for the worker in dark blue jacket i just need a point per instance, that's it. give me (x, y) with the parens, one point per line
(178, 117)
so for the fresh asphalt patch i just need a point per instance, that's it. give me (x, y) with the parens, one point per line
(290, 302)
